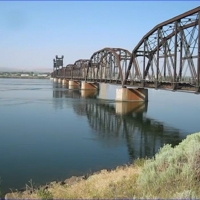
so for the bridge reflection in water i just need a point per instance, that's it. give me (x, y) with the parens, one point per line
(119, 121)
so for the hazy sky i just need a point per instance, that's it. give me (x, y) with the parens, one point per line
(32, 33)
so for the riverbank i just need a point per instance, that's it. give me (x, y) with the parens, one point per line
(172, 173)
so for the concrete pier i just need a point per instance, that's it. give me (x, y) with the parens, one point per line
(88, 93)
(89, 86)
(64, 82)
(59, 80)
(131, 94)
(55, 80)
(73, 87)
(73, 83)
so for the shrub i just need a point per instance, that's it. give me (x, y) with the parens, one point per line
(173, 170)
(44, 194)
(139, 162)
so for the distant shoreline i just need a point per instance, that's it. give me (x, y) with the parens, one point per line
(24, 77)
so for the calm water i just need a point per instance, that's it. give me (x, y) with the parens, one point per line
(49, 132)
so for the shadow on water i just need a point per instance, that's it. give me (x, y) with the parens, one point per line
(122, 120)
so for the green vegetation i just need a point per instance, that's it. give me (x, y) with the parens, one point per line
(172, 173)
(44, 194)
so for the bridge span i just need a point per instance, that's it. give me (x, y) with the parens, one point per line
(167, 57)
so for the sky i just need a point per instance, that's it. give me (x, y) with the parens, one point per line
(34, 32)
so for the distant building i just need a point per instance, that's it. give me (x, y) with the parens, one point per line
(25, 75)
(43, 75)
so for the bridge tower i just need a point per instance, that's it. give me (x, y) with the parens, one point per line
(57, 65)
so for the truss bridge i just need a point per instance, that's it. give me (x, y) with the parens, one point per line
(167, 57)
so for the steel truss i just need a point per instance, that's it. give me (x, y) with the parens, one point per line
(108, 65)
(168, 55)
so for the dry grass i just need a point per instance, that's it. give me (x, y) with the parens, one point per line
(117, 183)
(106, 184)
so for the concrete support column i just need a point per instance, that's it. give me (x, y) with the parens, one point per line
(55, 80)
(73, 83)
(59, 80)
(64, 82)
(88, 93)
(131, 94)
(72, 87)
(89, 86)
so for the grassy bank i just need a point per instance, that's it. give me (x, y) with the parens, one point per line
(172, 173)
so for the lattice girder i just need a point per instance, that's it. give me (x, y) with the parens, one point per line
(108, 64)
(169, 53)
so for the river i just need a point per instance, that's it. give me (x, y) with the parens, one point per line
(50, 132)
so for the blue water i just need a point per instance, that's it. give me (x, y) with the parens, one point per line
(48, 132)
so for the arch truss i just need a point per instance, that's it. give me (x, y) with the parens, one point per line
(168, 55)
(74, 71)
(108, 65)
(80, 69)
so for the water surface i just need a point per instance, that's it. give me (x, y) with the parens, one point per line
(49, 132)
